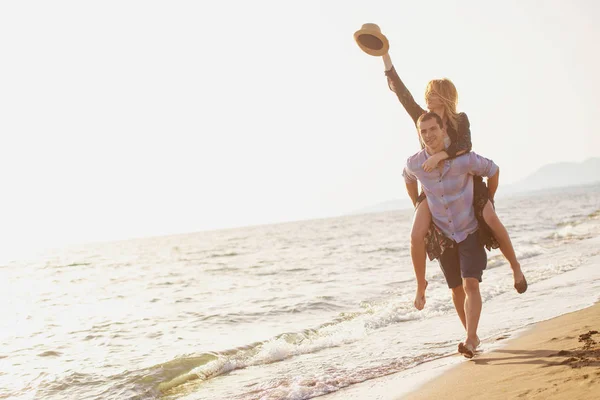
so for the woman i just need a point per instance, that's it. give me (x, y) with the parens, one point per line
(441, 97)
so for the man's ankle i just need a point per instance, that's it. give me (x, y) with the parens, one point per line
(473, 339)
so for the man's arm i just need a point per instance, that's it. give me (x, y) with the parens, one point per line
(410, 180)
(475, 164)
(492, 183)
(412, 188)
(478, 165)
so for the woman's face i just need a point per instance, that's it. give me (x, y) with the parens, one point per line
(434, 102)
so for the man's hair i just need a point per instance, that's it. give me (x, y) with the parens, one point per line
(430, 115)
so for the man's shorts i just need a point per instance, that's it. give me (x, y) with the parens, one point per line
(466, 259)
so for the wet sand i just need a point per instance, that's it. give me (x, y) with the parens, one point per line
(554, 359)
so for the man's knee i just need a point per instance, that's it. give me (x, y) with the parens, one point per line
(470, 285)
(458, 291)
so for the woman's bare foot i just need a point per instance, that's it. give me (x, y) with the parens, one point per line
(420, 297)
(519, 279)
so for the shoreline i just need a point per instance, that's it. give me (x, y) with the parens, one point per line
(558, 358)
(555, 359)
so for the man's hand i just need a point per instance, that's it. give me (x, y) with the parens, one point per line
(432, 162)
(420, 297)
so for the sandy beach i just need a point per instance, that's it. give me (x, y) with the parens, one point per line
(554, 359)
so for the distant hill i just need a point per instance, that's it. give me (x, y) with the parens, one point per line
(549, 176)
(558, 175)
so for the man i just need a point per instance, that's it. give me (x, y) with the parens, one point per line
(449, 191)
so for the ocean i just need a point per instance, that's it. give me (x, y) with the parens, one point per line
(286, 311)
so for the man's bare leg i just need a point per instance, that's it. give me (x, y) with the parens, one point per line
(472, 306)
(506, 247)
(458, 298)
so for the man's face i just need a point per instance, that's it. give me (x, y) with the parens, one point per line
(431, 134)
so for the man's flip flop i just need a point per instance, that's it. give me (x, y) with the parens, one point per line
(521, 286)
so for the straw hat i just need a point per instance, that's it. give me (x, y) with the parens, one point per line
(370, 39)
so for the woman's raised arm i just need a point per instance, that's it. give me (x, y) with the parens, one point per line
(397, 86)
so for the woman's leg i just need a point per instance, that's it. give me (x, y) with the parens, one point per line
(506, 247)
(418, 254)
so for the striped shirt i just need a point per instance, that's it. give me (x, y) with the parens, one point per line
(449, 190)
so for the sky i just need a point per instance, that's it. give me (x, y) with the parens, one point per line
(124, 119)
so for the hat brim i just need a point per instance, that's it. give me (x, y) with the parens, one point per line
(372, 42)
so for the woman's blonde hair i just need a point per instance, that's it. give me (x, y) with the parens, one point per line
(446, 91)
